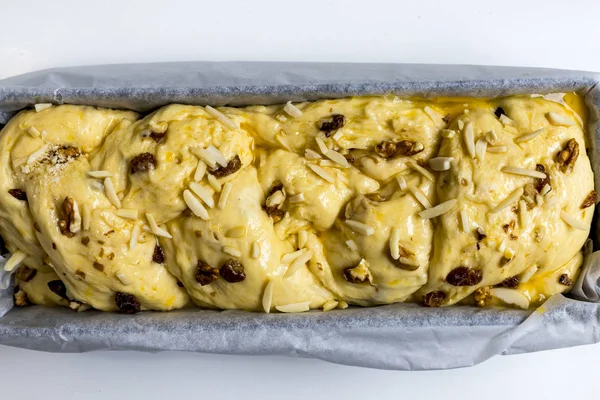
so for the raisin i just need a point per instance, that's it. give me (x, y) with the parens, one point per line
(510, 283)
(85, 240)
(498, 112)
(205, 273)
(59, 288)
(53, 246)
(18, 194)
(179, 283)
(464, 276)
(540, 183)
(158, 256)
(480, 234)
(232, 166)
(335, 122)
(232, 271)
(590, 200)
(158, 136)
(127, 303)
(565, 280)
(25, 274)
(99, 266)
(568, 156)
(389, 148)
(434, 299)
(143, 163)
(273, 211)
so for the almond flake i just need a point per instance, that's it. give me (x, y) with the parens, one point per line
(292, 110)
(352, 245)
(469, 137)
(329, 305)
(523, 172)
(225, 195)
(237, 232)
(299, 198)
(440, 163)
(232, 251)
(127, 213)
(214, 183)
(401, 182)
(135, 234)
(267, 297)
(125, 280)
(111, 195)
(321, 172)
(395, 243)
(574, 222)
(510, 199)
(15, 260)
(99, 174)
(438, 210)
(298, 263)
(205, 194)
(86, 217)
(255, 252)
(311, 155)
(529, 136)
(559, 120)
(420, 196)
(194, 204)
(421, 170)
(360, 227)
(497, 149)
(42, 106)
(34, 132)
(302, 239)
(511, 296)
(322, 146)
(464, 221)
(294, 308)
(200, 171)
(218, 115)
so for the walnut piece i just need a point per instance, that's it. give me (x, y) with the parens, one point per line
(233, 166)
(335, 122)
(232, 271)
(464, 276)
(359, 274)
(540, 183)
(389, 148)
(483, 296)
(58, 287)
(434, 299)
(158, 256)
(590, 199)
(206, 274)
(274, 210)
(568, 156)
(20, 298)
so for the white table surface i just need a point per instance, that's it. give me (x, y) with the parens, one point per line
(545, 33)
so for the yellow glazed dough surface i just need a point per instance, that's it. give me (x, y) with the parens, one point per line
(352, 214)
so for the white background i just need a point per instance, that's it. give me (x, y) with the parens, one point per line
(544, 33)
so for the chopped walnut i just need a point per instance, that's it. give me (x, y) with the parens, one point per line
(98, 266)
(483, 296)
(464, 276)
(565, 280)
(510, 283)
(67, 216)
(335, 122)
(359, 274)
(232, 271)
(274, 210)
(389, 148)
(20, 298)
(540, 183)
(25, 274)
(407, 260)
(158, 256)
(568, 156)
(127, 303)
(206, 274)
(233, 165)
(18, 194)
(142, 163)
(509, 226)
(58, 287)
(590, 199)
(61, 155)
(434, 299)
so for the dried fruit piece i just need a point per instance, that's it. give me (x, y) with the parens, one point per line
(232, 271)
(67, 216)
(390, 148)
(18, 194)
(127, 303)
(510, 283)
(359, 274)
(273, 211)
(25, 274)
(568, 156)
(335, 122)
(142, 163)
(85, 240)
(158, 256)
(540, 183)
(590, 199)
(464, 276)
(434, 299)
(483, 296)
(480, 234)
(565, 280)
(58, 287)
(206, 274)
(233, 165)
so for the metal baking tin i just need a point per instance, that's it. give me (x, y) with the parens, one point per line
(398, 336)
